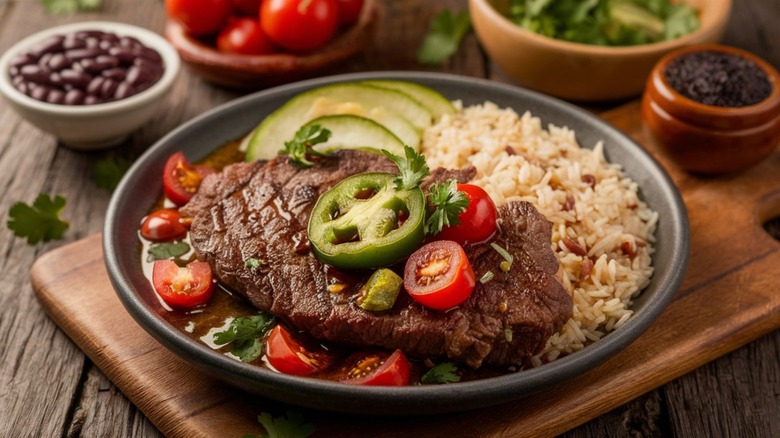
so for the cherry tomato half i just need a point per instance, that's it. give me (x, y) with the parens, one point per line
(243, 35)
(349, 11)
(250, 8)
(164, 225)
(439, 275)
(477, 223)
(184, 287)
(299, 25)
(181, 179)
(289, 356)
(375, 370)
(199, 17)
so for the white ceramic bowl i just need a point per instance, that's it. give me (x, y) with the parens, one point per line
(99, 126)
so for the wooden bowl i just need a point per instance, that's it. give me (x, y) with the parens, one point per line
(253, 72)
(582, 72)
(709, 139)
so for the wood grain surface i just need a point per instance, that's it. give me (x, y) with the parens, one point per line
(48, 387)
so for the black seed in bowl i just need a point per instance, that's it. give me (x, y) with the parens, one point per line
(718, 78)
(86, 68)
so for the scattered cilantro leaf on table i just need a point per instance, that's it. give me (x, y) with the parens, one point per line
(448, 204)
(293, 425)
(444, 372)
(39, 222)
(70, 6)
(167, 250)
(301, 145)
(246, 334)
(109, 171)
(446, 31)
(413, 168)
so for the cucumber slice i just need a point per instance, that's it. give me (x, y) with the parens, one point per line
(355, 132)
(428, 97)
(384, 104)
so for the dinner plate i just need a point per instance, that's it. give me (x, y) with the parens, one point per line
(141, 188)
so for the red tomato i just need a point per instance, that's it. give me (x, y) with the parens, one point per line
(243, 35)
(247, 7)
(182, 287)
(199, 17)
(299, 25)
(289, 356)
(374, 370)
(439, 275)
(181, 179)
(477, 223)
(349, 11)
(163, 225)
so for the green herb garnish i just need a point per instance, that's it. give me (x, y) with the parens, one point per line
(301, 145)
(444, 372)
(167, 250)
(446, 31)
(39, 222)
(253, 264)
(291, 426)
(487, 277)
(506, 265)
(413, 168)
(109, 171)
(448, 204)
(246, 334)
(70, 6)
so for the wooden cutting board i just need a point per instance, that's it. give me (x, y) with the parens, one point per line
(728, 298)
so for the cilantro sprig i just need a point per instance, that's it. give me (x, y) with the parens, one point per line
(445, 372)
(446, 31)
(109, 171)
(167, 250)
(39, 222)
(246, 334)
(300, 147)
(413, 168)
(293, 425)
(448, 203)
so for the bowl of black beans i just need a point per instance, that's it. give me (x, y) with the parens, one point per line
(89, 84)
(713, 109)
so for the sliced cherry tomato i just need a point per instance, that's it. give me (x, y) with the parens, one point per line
(199, 17)
(299, 25)
(184, 287)
(349, 11)
(439, 275)
(477, 223)
(375, 370)
(163, 225)
(289, 356)
(250, 8)
(181, 179)
(243, 35)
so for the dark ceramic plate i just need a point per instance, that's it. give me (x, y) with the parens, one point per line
(141, 188)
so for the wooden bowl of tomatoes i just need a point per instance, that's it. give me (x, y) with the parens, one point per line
(254, 44)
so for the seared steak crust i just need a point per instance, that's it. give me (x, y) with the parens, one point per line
(261, 210)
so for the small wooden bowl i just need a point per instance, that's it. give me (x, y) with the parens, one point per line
(252, 72)
(708, 139)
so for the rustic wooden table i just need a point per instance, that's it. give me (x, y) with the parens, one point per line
(49, 388)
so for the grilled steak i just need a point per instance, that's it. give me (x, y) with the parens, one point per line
(261, 210)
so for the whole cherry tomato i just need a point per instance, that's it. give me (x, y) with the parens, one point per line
(477, 223)
(299, 25)
(184, 287)
(243, 35)
(349, 11)
(250, 8)
(289, 356)
(164, 225)
(181, 179)
(379, 370)
(199, 17)
(439, 275)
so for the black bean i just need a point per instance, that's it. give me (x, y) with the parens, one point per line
(91, 100)
(110, 37)
(16, 80)
(50, 45)
(40, 93)
(74, 97)
(55, 79)
(150, 54)
(43, 62)
(22, 60)
(34, 73)
(77, 79)
(56, 96)
(58, 61)
(124, 54)
(92, 42)
(95, 85)
(136, 75)
(86, 34)
(123, 90)
(108, 89)
(128, 41)
(89, 52)
(116, 74)
(71, 43)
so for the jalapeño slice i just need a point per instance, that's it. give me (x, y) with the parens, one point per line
(363, 222)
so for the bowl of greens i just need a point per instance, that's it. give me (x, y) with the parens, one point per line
(595, 50)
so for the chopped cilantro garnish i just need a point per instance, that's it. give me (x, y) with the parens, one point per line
(446, 31)
(39, 222)
(167, 250)
(444, 372)
(301, 145)
(413, 168)
(253, 264)
(246, 334)
(293, 425)
(109, 171)
(487, 277)
(508, 259)
(448, 203)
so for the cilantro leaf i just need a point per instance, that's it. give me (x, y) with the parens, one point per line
(444, 372)
(448, 203)
(167, 250)
(70, 6)
(245, 335)
(446, 31)
(301, 145)
(109, 171)
(253, 264)
(413, 169)
(41, 222)
(291, 426)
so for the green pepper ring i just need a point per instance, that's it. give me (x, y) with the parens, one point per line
(350, 232)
